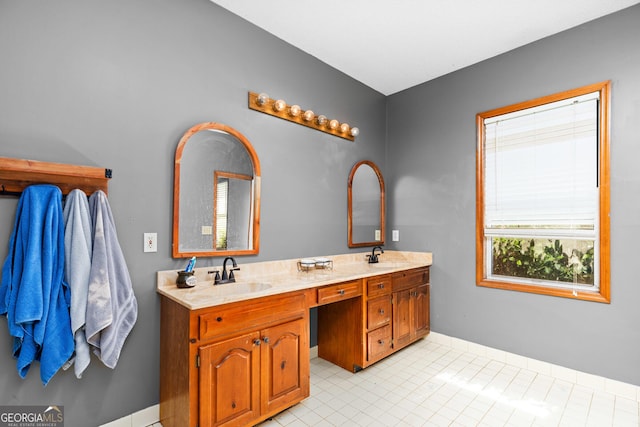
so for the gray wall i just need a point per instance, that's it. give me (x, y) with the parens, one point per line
(115, 84)
(431, 175)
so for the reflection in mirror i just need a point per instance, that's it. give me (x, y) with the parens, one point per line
(232, 211)
(216, 193)
(365, 217)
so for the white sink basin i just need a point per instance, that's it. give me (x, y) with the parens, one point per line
(389, 264)
(240, 288)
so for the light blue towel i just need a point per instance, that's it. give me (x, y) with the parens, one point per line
(33, 294)
(77, 260)
(112, 309)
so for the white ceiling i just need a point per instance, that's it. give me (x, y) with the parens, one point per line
(391, 45)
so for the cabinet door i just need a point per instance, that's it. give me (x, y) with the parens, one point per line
(402, 325)
(229, 379)
(285, 377)
(421, 311)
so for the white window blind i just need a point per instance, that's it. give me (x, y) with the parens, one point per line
(541, 170)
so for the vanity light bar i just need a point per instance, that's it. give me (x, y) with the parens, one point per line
(294, 113)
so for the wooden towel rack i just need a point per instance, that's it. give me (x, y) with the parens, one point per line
(17, 174)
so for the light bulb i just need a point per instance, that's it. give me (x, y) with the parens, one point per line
(344, 128)
(355, 132)
(308, 115)
(279, 105)
(294, 110)
(321, 120)
(262, 99)
(333, 124)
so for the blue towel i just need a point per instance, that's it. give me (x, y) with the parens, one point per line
(112, 309)
(77, 263)
(33, 294)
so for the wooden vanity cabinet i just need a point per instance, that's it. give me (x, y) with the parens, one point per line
(234, 364)
(392, 313)
(354, 333)
(340, 323)
(253, 374)
(410, 306)
(238, 364)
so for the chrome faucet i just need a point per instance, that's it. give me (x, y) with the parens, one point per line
(226, 277)
(373, 258)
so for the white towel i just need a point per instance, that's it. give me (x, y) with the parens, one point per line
(112, 309)
(77, 248)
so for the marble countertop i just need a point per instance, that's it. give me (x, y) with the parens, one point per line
(255, 280)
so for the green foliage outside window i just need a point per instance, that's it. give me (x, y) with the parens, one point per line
(543, 259)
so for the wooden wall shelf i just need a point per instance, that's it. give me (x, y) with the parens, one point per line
(17, 174)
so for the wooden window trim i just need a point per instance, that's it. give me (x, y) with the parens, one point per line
(604, 293)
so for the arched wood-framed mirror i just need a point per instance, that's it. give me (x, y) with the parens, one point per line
(366, 205)
(216, 193)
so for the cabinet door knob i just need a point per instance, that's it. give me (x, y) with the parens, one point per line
(380, 342)
(381, 311)
(266, 340)
(256, 342)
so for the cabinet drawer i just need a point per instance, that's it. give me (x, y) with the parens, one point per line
(410, 278)
(379, 342)
(339, 292)
(379, 285)
(238, 317)
(378, 311)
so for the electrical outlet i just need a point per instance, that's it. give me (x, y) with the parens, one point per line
(395, 235)
(151, 242)
(377, 235)
(207, 230)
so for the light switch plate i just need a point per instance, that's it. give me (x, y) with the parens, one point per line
(377, 235)
(151, 242)
(395, 235)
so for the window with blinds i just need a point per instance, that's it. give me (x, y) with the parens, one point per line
(540, 196)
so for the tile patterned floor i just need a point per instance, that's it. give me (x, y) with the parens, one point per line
(431, 384)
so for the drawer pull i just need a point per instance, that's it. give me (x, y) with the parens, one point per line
(219, 319)
(380, 285)
(341, 291)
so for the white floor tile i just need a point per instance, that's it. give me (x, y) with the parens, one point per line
(433, 383)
